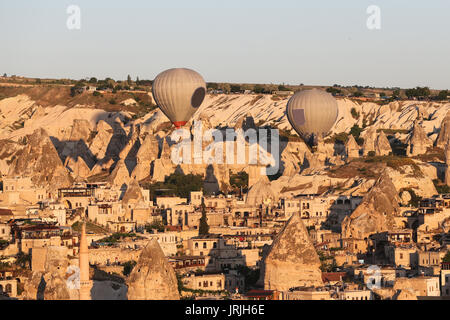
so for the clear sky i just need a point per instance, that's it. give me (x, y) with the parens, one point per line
(254, 41)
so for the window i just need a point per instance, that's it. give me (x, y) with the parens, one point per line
(204, 245)
(196, 245)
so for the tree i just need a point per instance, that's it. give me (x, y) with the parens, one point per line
(93, 80)
(137, 81)
(239, 180)
(203, 228)
(78, 88)
(235, 88)
(129, 80)
(282, 88)
(212, 86)
(447, 257)
(443, 95)
(356, 131)
(128, 267)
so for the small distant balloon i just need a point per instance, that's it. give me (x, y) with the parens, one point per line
(179, 93)
(312, 113)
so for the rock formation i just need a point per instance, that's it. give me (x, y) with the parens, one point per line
(377, 142)
(147, 153)
(382, 145)
(119, 176)
(245, 122)
(292, 260)
(444, 132)
(418, 141)
(261, 192)
(50, 283)
(100, 142)
(78, 167)
(153, 278)
(133, 193)
(351, 148)
(376, 211)
(39, 160)
(447, 163)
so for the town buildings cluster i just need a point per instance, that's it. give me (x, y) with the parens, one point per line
(229, 259)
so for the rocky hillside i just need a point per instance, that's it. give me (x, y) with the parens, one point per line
(79, 139)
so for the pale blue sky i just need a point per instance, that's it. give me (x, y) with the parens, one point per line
(255, 41)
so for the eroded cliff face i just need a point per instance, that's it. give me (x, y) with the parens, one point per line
(153, 278)
(94, 142)
(292, 260)
(51, 282)
(39, 160)
(376, 212)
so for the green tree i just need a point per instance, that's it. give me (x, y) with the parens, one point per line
(239, 180)
(447, 257)
(23, 260)
(203, 228)
(129, 80)
(235, 88)
(443, 95)
(356, 131)
(128, 267)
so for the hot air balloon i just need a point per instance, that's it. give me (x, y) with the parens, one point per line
(178, 93)
(312, 113)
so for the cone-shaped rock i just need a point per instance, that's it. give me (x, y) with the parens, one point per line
(418, 142)
(153, 278)
(376, 211)
(444, 132)
(40, 161)
(292, 260)
(351, 147)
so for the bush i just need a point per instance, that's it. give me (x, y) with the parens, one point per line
(96, 94)
(128, 267)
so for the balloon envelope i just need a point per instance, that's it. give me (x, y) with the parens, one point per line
(179, 93)
(312, 112)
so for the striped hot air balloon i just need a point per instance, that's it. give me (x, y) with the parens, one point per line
(179, 93)
(312, 113)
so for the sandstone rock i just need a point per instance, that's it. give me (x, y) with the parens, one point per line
(78, 167)
(444, 133)
(406, 294)
(39, 160)
(119, 176)
(261, 192)
(100, 142)
(81, 130)
(153, 278)
(382, 145)
(377, 142)
(376, 211)
(447, 163)
(147, 153)
(351, 147)
(133, 193)
(292, 260)
(50, 284)
(418, 142)
(161, 168)
(245, 122)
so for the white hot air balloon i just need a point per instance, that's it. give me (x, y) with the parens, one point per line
(179, 93)
(312, 113)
